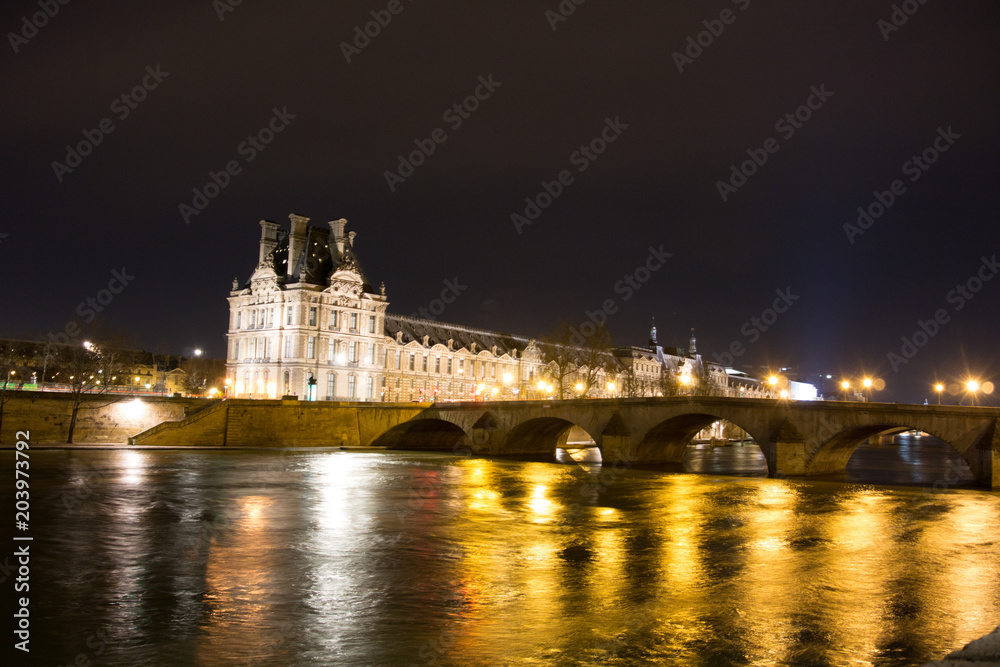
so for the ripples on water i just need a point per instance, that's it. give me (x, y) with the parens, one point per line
(212, 558)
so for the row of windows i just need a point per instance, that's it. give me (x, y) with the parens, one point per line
(444, 365)
(258, 384)
(264, 317)
(337, 351)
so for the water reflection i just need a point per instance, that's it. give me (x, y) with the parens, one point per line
(355, 558)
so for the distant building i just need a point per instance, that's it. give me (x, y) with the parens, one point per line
(309, 323)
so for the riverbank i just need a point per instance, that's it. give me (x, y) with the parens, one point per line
(982, 652)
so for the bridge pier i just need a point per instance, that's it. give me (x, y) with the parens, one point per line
(984, 457)
(787, 451)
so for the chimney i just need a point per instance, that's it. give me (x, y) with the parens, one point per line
(268, 239)
(337, 234)
(296, 241)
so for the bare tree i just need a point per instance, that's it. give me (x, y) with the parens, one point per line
(572, 360)
(47, 353)
(13, 360)
(90, 368)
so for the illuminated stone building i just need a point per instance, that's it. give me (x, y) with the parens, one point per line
(309, 323)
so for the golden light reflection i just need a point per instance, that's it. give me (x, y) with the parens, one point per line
(859, 573)
(539, 503)
(134, 466)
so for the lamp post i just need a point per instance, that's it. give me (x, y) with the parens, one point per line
(939, 388)
(867, 384)
(845, 385)
(971, 387)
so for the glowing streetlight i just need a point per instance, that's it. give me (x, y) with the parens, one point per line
(507, 378)
(971, 388)
(579, 387)
(611, 387)
(784, 393)
(773, 380)
(845, 385)
(939, 388)
(197, 352)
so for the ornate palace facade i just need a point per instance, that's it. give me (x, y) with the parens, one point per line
(309, 323)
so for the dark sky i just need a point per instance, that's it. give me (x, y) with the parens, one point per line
(655, 185)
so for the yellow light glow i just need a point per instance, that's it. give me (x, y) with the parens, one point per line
(784, 393)
(496, 390)
(579, 386)
(939, 387)
(867, 382)
(611, 386)
(972, 385)
(773, 379)
(508, 378)
(541, 385)
(845, 385)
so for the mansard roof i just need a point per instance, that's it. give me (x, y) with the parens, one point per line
(415, 328)
(316, 262)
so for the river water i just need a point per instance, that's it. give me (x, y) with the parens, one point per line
(168, 557)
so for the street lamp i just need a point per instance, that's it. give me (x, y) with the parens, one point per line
(971, 387)
(939, 388)
(867, 384)
(845, 385)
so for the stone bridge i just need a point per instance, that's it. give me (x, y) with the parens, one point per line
(797, 438)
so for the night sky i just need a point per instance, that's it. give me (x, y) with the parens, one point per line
(680, 115)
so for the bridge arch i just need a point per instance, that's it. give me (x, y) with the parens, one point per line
(833, 454)
(542, 436)
(668, 440)
(425, 434)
